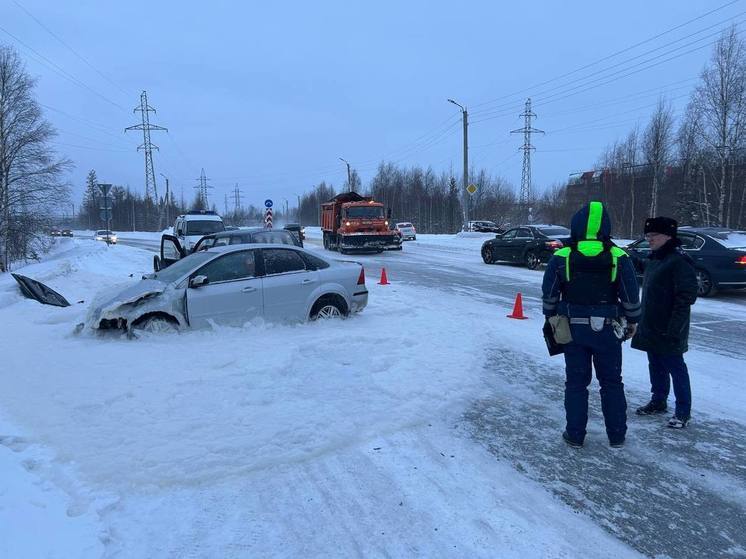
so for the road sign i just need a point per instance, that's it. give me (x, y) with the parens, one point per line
(268, 203)
(104, 188)
(268, 218)
(105, 215)
(471, 189)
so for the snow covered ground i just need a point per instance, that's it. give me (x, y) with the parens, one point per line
(408, 430)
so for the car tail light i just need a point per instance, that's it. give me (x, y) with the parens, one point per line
(741, 260)
(554, 245)
(361, 277)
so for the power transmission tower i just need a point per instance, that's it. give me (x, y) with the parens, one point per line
(526, 196)
(236, 199)
(202, 189)
(151, 190)
(225, 202)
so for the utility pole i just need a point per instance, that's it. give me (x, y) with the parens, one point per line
(349, 175)
(151, 190)
(297, 216)
(526, 195)
(167, 201)
(464, 193)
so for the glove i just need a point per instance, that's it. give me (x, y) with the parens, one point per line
(629, 331)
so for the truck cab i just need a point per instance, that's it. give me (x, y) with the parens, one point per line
(351, 222)
(190, 227)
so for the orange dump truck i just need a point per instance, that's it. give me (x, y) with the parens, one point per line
(350, 222)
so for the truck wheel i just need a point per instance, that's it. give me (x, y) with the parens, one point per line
(326, 241)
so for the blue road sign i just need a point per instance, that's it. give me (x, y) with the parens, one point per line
(268, 203)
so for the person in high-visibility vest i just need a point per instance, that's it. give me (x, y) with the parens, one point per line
(591, 285)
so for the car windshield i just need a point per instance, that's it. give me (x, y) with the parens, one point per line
(204, 227)
(104, 232)
(274, 237)
(555, 231)
(369, 212)
(183, 266)
(731, 239)
(404, 225)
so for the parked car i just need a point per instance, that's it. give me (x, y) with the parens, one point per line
(530, 245)
(407, 230)
(66, 233)
(483, 227)
(719, 257)
(297, 230)
(106, 235)
(233, 284)
(55, 232)
(172, 249)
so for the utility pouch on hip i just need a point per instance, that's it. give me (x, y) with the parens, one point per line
(561, 328)
(597, 323)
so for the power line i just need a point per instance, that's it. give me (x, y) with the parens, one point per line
(64, 73)
(610, 56)
(68, 47)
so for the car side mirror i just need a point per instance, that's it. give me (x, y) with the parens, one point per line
(198, 281)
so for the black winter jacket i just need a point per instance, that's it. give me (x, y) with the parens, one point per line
(668, 291)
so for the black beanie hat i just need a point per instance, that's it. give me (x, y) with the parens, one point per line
(664, 225)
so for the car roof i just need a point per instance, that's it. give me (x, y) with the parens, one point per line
(252, 246)
(248, 231)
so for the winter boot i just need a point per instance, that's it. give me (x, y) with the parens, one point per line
(652, 408)
(570, 441)
(677, 422)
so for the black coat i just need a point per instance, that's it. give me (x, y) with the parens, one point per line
(668, 291)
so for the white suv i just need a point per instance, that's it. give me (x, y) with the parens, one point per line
(407, 231)
(193, 225)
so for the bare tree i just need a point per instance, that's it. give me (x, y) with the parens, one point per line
(720, 100)
(30, 172)
(657, 144)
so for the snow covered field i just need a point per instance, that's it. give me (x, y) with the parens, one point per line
(335, 439)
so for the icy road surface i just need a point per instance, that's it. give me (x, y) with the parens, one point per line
(427, 426)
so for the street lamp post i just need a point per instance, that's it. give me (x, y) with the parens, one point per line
(349, 175)
(168, 217)
(464, 194)
(298, 210)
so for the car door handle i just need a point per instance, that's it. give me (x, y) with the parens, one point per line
(307, 281)
(248, 289)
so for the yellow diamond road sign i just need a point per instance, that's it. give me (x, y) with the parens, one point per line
(471, 189)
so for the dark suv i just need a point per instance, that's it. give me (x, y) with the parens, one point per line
(719, 257)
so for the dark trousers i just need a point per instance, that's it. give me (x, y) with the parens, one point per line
(664, 368)
(604, 351)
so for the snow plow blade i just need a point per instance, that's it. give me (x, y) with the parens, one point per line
(36, 290)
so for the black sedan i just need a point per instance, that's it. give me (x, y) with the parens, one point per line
(530, 245)
(719, 257)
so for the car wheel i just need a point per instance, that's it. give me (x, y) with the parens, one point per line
(156, 325)
(705, 286)
(326, 308)
(487, 255)
(532, 260)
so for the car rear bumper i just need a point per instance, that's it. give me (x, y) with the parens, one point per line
(359, 300)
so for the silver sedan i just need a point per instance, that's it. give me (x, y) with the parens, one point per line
(232, 285)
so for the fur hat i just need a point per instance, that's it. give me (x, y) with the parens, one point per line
(664, 225)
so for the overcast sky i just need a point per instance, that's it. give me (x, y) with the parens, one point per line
(270, 95)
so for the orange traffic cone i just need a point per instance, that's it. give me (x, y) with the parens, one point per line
(384, 279)
(518, 308)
